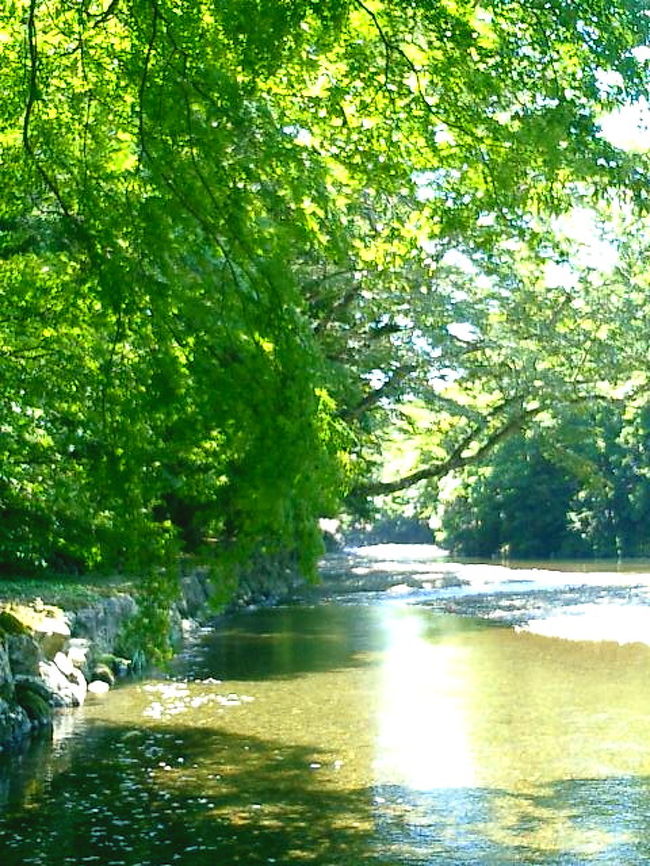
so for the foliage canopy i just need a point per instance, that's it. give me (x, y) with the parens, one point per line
(239, 239)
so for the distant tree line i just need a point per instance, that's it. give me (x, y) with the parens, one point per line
(578, 489)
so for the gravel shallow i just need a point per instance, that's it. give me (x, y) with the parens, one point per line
(578, 604)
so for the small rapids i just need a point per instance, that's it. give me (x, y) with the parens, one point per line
(579, 600)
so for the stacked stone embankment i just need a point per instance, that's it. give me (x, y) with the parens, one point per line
(51, 658)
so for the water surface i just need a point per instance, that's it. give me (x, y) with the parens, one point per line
(382, 733)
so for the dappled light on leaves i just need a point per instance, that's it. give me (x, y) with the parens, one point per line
(242, 243)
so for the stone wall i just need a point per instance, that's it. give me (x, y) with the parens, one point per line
(50, 658)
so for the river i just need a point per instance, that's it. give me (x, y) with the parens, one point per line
(502, 720)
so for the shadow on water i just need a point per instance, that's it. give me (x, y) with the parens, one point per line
(182, 795)
(178, 795)
(286, 642)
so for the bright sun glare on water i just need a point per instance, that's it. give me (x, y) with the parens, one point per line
(422, 739)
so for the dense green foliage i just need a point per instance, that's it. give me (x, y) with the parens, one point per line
(579, 488)
(225, 256)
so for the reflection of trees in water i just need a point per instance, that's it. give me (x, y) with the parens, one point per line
(285, 642)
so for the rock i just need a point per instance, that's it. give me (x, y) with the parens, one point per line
(103, 622)
(34, 684)
(51, 643)
(79, 649)
(14, 722)
(52, 631)
(104, 674)
(65, 691)
(80, 683)
(24, 654)
(45, 624)
(195, 593)
(6, 675)
(98, 687)
(445, 581)
(36, 706)
(121, 667)
(63, 663)
(175, 628)
(11, 624)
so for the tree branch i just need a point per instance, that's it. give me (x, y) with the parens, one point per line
(373, 397)
(456, 460)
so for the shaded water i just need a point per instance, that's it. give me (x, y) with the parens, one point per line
(385, 733)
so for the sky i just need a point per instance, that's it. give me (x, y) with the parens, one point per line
(629, 127)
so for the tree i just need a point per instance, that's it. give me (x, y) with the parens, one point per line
(226, 253)
(576, 487)
(518, 509)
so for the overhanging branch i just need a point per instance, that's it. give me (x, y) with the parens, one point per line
(458, 458)
(461, 456)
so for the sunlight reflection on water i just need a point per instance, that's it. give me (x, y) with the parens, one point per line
(422, 738)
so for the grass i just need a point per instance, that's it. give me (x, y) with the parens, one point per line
(66, 591)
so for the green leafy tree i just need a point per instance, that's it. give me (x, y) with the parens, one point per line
(578, 487)
(518, 508)
(227, 240)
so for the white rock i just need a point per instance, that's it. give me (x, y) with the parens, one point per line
(66, 692)
(98, 687)
(78, 650)
(63, 663)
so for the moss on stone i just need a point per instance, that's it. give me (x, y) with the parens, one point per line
(35, 616)
(118, 665)
(103, 673)
(6, 691)
(11, 624)
(36, 707)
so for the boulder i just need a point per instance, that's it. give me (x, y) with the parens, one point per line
(33, 684)
(34, 703)
(79, 650)
(10, 623)
(66, 691)
(104, 674)
(14, 723)
(6, 676)
(196, 591)
(103, 622)
(48, 626)
(63, 663)
(24, 654)
(52, 631)
(98, 687)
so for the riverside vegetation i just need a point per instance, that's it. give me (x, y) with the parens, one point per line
(262, 262)
(53, 654)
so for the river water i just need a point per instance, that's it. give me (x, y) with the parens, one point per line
(504, 720)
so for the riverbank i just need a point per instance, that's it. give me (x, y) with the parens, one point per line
(53, 655)
(67, 643)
